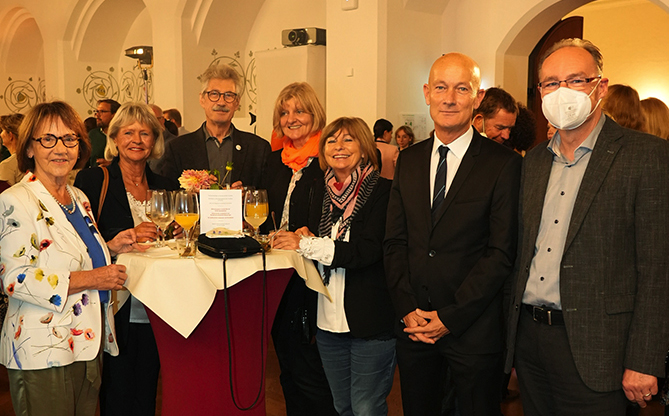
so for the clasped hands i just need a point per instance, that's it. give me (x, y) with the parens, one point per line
(424, 326)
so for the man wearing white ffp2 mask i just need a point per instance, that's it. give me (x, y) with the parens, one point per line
(568, 107)
(587, 291)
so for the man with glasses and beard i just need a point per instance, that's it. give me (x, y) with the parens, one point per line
(218, 142)
(103, 115)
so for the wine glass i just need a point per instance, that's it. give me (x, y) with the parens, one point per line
(256, 208)
(147, 204)
(161, 212)
(186, 213)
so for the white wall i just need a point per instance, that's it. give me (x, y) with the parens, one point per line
(356, 71)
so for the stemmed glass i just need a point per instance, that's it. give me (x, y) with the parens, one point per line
(186, 213)
(256, 208)
(159, 210)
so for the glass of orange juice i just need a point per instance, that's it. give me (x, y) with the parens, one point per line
(256, 208)
(186, 214)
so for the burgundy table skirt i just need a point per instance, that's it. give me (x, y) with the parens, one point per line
(195, 370)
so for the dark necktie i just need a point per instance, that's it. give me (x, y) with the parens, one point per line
(439, 181)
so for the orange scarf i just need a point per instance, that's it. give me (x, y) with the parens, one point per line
(296, 159)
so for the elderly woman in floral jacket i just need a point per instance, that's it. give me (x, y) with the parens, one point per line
(56, 269)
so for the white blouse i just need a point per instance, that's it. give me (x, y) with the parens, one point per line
(137, 312)
(331, 316)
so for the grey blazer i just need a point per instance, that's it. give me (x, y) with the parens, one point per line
(614, 276)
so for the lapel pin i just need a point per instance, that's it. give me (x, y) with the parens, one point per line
(238, 147)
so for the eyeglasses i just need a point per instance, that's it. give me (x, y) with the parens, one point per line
(49, 141)
(572, 83)
(101, 111)
(214, 96)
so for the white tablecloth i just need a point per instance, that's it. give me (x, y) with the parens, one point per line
(181, 291)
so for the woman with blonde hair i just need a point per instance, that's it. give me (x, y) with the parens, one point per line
(622, 104)
(404, 137)
(294, 184)
(129, 381)
(657, 117)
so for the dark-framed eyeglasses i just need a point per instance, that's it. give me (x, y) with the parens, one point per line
(214, 96)
(577, 83)
(48, 141)
(101, 111)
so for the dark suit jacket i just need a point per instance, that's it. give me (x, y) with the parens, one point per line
(249, 156)
(369, 310)
(614, 275)
(459, 265)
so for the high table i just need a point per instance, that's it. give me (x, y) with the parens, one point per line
(185, 302)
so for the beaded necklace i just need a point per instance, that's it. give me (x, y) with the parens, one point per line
(63, 206)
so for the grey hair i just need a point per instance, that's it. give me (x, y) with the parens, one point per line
(578, 43)
(220, 71)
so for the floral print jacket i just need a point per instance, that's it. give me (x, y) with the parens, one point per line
(45, 327)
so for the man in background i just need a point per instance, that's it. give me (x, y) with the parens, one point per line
(496, 115)
(103, 114)
(174, 116)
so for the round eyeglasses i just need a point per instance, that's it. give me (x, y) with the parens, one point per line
(48, 141)
(214, 96)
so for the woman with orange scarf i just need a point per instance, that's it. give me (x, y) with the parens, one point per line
(294, 183)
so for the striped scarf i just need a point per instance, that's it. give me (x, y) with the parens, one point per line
(345, 200)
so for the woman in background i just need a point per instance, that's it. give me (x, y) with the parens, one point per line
(129, 380)
(657, 117)
(404, 137)
(9, 131)
(622, 104)
(355, 330)
(294, 183)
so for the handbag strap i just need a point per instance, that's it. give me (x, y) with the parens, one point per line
(103, 195)
(103, 191)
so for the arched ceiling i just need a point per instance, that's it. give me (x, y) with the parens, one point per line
(97, 28)
(20, 43)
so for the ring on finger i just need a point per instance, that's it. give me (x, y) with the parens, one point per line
(646, 395)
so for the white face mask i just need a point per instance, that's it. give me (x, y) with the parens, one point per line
(567, 109)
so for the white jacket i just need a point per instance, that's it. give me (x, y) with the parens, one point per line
(45, 327)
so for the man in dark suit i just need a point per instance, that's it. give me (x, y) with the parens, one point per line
(588, 312)
(218, 142)
(450, 245)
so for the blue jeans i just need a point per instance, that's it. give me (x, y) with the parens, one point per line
(360, 372)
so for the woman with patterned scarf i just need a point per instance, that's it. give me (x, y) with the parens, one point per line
(294, 183)
(355, 329)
